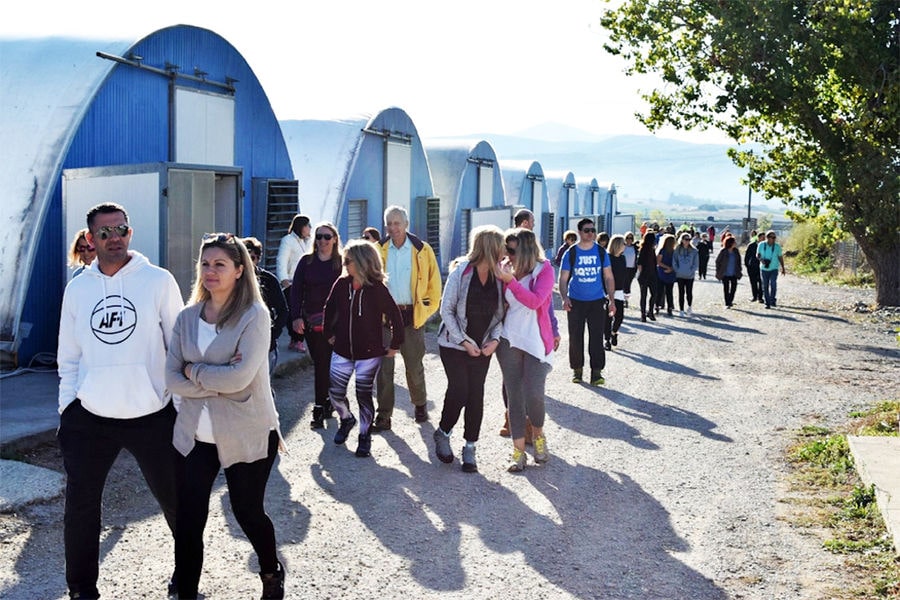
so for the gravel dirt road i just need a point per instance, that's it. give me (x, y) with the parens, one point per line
(669, 482)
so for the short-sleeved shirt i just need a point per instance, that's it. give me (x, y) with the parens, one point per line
(399, 269)
(586, 279)
(771, 253)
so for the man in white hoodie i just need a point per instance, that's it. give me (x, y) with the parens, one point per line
(114, 329)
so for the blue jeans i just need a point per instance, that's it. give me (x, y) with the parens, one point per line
(770, 285)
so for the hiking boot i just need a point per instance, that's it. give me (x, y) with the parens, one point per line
(516, 461)
(442, 446)
(597, 378)
(344, 430)
(381, 424)
(273, 584)
(364, 448)
(421, 414)
(504, 431)
(468, 459)
(651, 316)
(577, 375)
(318, 418)
(540, 450)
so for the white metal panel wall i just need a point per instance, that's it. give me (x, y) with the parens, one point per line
(485, 186)
(537, 194)
(138, 193)
(398, 175)
(500, 216)
(204, 128)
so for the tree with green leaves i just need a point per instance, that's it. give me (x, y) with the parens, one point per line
(814, 84)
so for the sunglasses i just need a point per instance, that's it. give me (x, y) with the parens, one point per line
(211, 238)
(105, 232)
(85, 249)
(324, 236)
(510, 250)
(589, 230)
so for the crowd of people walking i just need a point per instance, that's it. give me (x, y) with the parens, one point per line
(200, 399)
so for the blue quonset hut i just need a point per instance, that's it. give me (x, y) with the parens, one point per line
(350, 170)
(563, 198)
(468, 181)
(175, 127)
(525, 187)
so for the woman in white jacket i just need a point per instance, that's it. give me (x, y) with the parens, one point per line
(218, 364)
(294, 245)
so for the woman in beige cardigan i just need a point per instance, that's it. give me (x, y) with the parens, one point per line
(218, 364)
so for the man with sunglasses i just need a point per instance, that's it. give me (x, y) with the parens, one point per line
(115, 326)
(584, 276)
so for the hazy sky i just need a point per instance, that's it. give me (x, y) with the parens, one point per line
(466, 66)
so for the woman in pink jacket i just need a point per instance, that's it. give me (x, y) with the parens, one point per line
(526, 341)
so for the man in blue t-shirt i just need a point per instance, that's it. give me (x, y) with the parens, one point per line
(585, 275)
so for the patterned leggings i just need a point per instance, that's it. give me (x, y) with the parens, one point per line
(341, 370)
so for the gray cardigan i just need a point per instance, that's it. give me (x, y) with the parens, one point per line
(452, 332)
(239, 397)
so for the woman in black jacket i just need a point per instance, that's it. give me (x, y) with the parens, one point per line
(646, 275)
(354, 312)
(620, 276)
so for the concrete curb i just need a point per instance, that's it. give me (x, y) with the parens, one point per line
(22, 484)
(878, 462)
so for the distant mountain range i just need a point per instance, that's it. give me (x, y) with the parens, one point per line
(649, 172)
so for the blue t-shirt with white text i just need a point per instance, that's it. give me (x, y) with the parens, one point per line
(586, 279)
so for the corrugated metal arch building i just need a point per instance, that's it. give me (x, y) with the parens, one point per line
(350, 170)
(468, 180)
(524, 183)
(176, 127)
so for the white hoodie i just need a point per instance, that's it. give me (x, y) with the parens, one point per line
(113, 336)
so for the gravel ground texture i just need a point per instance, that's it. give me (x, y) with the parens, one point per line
(668, 482)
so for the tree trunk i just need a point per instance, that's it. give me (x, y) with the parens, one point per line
(885, 262)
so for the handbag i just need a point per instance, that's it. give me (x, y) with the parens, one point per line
(316, 321)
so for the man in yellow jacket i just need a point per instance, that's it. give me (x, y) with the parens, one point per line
(414, 280)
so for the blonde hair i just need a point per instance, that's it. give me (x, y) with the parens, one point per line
(616, 245)
(367, 259)
(486, 245)
(667, 243)
(246, 288)
(74, 255)
(528, 251)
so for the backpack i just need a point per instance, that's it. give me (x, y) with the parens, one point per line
(601, 252)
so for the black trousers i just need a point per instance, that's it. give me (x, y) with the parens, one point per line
(246, 490)
(465, 390)
(666, 295)
(729, 287)
(592, 312)
(685, 288)
(612, 325)
(648, 292)
(320, 352)
(90, 445)
(704, 262)
(756, 289)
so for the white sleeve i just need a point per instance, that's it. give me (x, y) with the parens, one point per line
(281, 261)
(169, 306)
(68, 354)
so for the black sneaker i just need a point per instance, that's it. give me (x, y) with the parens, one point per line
(421, 414)
(344, 430)
(615, 339)
(318, 418)
(381, 424)
(607, 345)
(273, 584)
(364, 448)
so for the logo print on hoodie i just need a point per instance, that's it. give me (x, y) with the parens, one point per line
(113, 320)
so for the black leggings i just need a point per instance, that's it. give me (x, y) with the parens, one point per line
(666, 290)
(612, 325)
(648, 288)
(685, 287)
(246, 490)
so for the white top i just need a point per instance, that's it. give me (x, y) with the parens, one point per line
(520, 326)
(206, 333)
(290, 251)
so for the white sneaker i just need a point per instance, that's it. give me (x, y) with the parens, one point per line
(689, 311)
(681, 313)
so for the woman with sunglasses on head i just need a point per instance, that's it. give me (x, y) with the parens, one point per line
(354, 315)
(293, 246)
(81, 253)
(472, 309)
(217, 362)
(525, 351)
(315, 274)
